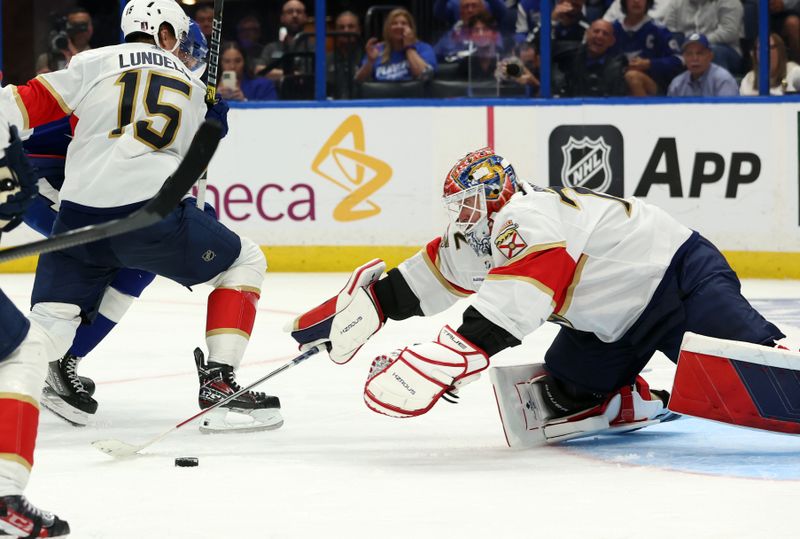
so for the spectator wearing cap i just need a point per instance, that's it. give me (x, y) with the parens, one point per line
(594, 69)
(654, 57)
(702, 78)
(721, 21)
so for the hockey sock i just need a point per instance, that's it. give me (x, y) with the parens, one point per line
(229, 323)
(126, 286)
(89, 335)
(19, 420)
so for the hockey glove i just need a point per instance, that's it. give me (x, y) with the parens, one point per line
(219, 111)
(18, 187)
(408, 382)
(347, 320)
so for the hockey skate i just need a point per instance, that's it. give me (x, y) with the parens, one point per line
(249, 412)
(68, 395)
(536, 409)
(18, 518)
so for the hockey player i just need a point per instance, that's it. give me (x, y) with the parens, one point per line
(22, 367)
(67, 394)
(620, 276)
(137, 105)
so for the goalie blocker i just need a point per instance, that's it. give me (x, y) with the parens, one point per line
(739, 383)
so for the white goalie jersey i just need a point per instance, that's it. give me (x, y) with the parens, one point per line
(586, 260)
(135, 110)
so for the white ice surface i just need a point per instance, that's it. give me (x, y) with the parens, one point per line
(335, 469)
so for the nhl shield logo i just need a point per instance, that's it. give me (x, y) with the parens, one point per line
(586, 163)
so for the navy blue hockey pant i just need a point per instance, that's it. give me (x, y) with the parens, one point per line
(699, 293)
(188, 246)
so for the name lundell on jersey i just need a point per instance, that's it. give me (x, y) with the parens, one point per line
(133, 59)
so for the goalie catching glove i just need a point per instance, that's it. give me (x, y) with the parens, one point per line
(408, 382)
(346, 321)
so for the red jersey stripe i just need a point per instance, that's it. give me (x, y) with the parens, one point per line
(553, 268)
(40, 104)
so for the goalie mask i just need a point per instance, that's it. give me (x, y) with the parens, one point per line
(476, 188)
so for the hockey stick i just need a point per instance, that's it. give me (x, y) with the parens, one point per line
(194, 162)
(120, 449)
(211, 84)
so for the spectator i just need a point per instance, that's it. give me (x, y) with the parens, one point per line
(593, 69)
(656, 12)
(237, 82)
(595, 9)
(569, 23)
(527, 73)
(78, 31)
(293, 21)
(784, 76)
(204, 17)
(653, 54)
(702, 78)
(482, 64)
(528, 19)
(452, 11)
(455, 43)
(785, 15)
(343, 61)
(248, 35)
(400, 56)
(719, 20)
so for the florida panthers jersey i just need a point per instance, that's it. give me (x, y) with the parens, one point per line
(135, 107)
(583, 259)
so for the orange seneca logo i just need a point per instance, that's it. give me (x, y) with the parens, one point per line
(360, 174)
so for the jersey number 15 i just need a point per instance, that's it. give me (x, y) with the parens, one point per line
(143, 130)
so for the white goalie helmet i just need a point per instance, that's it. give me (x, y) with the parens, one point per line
(147, 16)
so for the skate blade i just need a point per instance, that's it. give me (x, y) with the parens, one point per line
(116, 448)
(221, 421)
(53, 402)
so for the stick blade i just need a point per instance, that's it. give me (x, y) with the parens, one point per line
(116, 448)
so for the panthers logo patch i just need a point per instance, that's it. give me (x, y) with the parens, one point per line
(509, 241)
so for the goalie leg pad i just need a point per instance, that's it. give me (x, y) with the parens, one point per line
(739, 383)
(529, 419)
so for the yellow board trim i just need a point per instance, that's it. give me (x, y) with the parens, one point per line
(329, 258)
(13, 457)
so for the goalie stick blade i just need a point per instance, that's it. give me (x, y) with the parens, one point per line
(116, 448)
(196, 160)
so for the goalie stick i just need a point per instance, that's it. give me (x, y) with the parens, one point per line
(202, 149)
(120, 449)
(211, 84)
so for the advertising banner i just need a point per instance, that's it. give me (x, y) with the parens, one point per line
(729, 171)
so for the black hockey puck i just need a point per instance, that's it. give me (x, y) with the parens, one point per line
(187, 462)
